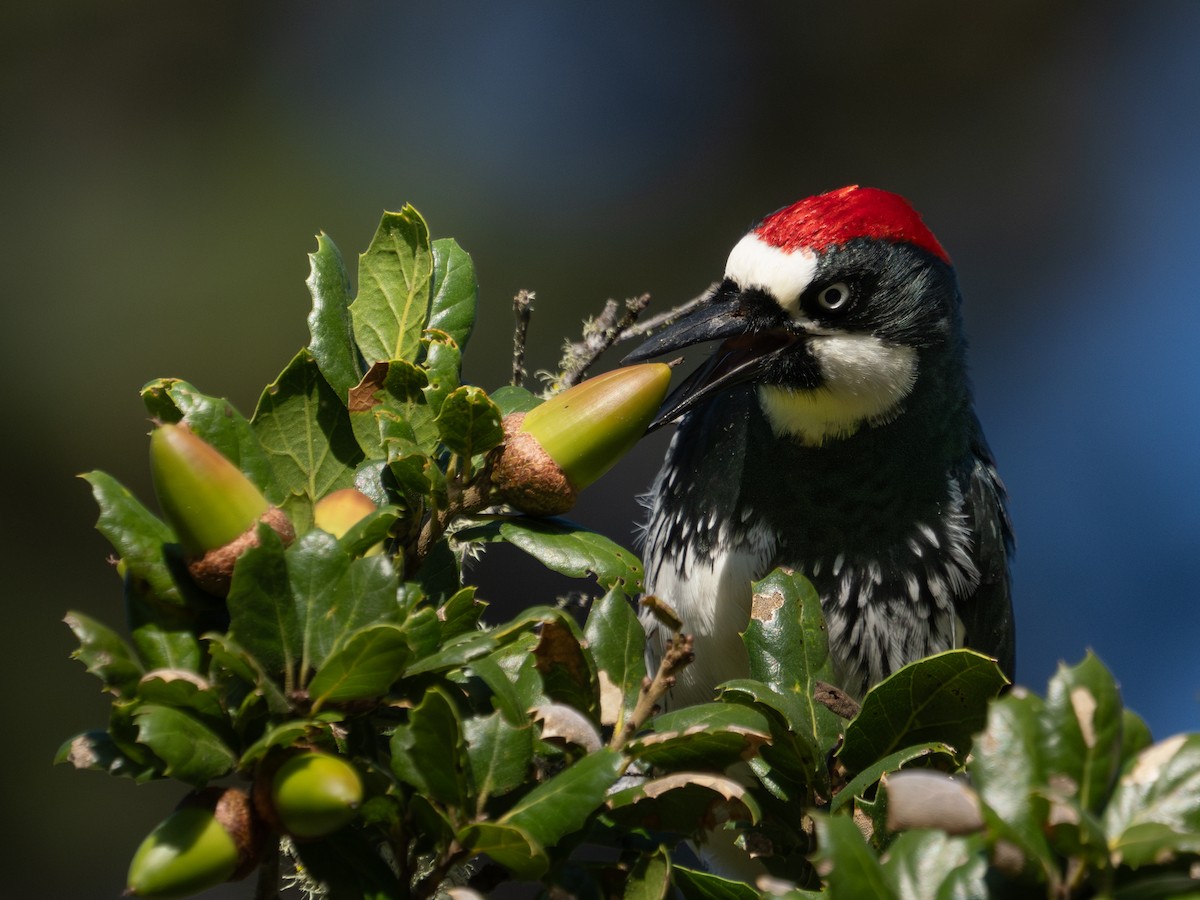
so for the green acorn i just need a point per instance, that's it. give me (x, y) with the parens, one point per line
(310, 794)
(557, 449)
(211, 838)
(213, 508)
(341, 510)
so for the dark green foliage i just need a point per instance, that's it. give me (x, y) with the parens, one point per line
(495, 750)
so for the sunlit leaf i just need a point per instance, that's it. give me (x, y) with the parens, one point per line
(617, 642)
(366, 665)
(565, 548)
(455, 292)
(305, 430)
(332, 341)
(394, 276)
(940, 698)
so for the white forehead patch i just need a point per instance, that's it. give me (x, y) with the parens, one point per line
(756, 264)
(864, 382)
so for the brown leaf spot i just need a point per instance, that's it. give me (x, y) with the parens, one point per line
(764, 606)
(362, 396)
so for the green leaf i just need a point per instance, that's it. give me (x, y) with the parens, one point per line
(394, 276)
(617, 643)
(706, 737)
(429, 752)
(788, 648)
(565, 548)
(683, 803)
(332, 344)
(365, 595)
(455, 291)
(231, 660)
(561, 806)
(305, 430)
(349, 867)
(316, 565)
(509, 846)
(893, 762)
(929, 863)
(215, 420)
(286, 735)
(1083, 729)
(500, 754)
(469, 422)
(461, 612)
(511, 675)
(136, 534)
(511, 399)
(454, 653)
(940, 698)
(366, 665)
(96, 751)
(791, 754)
(443, 364)
(854, 871)
(186, 692)
(650, 877)
(1154, 813)
(694, 884)
(1008, 770)
(105, 654)
(263, 617)
(191, 751)
(163, 635)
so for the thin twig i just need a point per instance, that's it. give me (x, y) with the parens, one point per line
(679, 654)
(599, 334)
(522, 308)
(645, 326)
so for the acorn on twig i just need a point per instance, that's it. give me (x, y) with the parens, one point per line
(212, 506)
(557, 449)
(212, 837)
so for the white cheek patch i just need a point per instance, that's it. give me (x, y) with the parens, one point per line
(864, 381)
(755, 264)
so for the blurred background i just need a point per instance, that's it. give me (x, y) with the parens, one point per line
(166, 166)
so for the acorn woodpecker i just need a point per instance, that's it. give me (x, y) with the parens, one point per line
(832, 431)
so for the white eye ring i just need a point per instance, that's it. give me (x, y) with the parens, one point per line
(834, 297)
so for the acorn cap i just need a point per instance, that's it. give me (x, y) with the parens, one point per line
(560, 447)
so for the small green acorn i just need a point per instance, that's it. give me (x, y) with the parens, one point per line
(557, 449)
(309, 794)
(213, 508)
(339, 511)
(212, 837)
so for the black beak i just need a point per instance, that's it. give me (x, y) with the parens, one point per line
(752, 337)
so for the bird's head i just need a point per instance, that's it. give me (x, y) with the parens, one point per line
(832, 307)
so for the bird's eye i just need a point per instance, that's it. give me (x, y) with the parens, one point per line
(834, 297)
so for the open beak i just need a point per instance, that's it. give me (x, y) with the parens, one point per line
(747, 347)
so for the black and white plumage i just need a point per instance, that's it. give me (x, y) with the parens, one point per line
(831, 431)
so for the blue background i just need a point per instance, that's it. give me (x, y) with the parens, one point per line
(166, 167)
